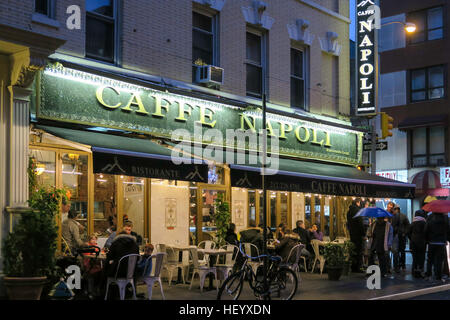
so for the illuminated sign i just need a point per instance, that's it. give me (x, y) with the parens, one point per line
(74, 96)
(445, 177)
(366, 61)
(399, 175)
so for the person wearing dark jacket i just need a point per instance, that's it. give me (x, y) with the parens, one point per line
(437, 232)
(123, 244)
(400, 223)
(231, 236)
(304, 238)
(253, 235)
(284, 247)
(417, 238)
(357, 234)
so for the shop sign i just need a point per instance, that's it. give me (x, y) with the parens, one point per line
(73, 96)
(366, 62)
(399, 175)
(147, 168)
(445, 177)
(252, 180)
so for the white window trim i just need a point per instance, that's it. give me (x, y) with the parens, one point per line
(306, 73)
(264, 61)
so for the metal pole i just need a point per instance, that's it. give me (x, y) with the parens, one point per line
(373, 153)
(264, 160)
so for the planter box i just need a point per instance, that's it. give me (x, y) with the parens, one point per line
(18, 288)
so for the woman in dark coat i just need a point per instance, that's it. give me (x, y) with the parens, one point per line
(416, 234)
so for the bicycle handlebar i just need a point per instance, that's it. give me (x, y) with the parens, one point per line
(258, 257)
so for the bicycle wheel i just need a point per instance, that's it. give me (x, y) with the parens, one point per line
(284, 286)
(232, 287)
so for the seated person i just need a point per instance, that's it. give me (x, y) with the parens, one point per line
(253, 235)
(122, 245)
(318, 235)
(127, 223)
(285, 245)
(148, 249)
(92, 242)
(304, 238)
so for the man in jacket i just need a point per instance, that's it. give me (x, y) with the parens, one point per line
(305, 238)
(437, 232)
(356, 230)
(400, 223)
(418, 244)
(380, 236)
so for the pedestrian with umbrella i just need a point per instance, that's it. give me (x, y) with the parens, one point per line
(417, 237)
(380, 236)
(437, 232)
(356, 229)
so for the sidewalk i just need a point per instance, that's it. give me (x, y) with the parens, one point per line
(312, 287)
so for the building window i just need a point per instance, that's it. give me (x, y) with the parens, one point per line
(255, 64)
(427, 147)
(430, 25)
(298, 72)
(204, 41)
(101, 29)
(427, 84)
(45, 7)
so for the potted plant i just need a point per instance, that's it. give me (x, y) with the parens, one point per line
(349, 248)
(29, 250)
(222, 217)
(335, 258)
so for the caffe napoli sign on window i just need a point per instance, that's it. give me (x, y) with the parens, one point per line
(366, 61)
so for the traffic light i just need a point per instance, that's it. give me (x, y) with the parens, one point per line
(363, 167)
(386, 125)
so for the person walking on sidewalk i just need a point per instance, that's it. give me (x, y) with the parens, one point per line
(418, 243)
(437, 231)
(380, 240)
(356, 230)
(400, 223)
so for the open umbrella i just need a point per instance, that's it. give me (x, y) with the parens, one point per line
(373, 212)
(437, 206)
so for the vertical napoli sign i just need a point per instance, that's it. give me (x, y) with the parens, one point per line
(366, 58)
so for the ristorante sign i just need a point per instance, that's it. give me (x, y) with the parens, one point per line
(73, 96)
(366, 62)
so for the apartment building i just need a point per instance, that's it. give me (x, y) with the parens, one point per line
(414, 91)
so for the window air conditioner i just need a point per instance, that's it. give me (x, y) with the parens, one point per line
(209, 74)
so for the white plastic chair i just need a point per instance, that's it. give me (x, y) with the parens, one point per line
(224, 269)
(206, 244)
(297, 251)
(250, 248)
(123, 282)
(201, 270)
(318, 257)
(172, 264)
(151, 279)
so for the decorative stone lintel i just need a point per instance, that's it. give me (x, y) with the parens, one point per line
(330, 44)
(213, 4)
(298, 32)
(256, 15)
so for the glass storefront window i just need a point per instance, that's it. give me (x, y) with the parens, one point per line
(261, 206)
(273, 210)
(307, 211)
(133, 202)
(45, 167)
(284, 207)
(193, 214)
(105, 214)
(208, 212)
(251, 205)
(75, 180)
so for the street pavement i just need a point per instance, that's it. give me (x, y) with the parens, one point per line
(445, 295)
(311, 287)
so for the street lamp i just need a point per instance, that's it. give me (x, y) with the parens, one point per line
(409, 26)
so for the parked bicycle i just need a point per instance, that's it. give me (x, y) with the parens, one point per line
(282, 281)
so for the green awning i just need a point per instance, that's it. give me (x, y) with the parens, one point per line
(113, 154)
